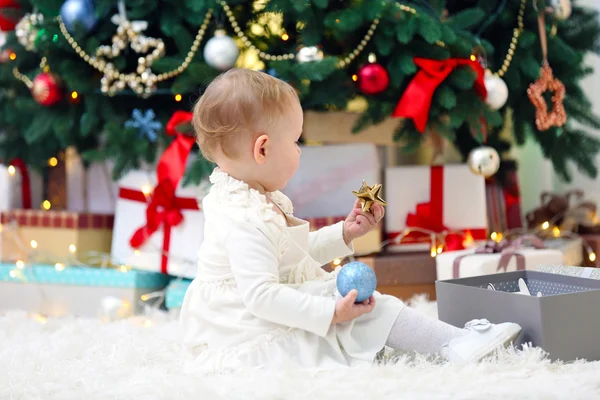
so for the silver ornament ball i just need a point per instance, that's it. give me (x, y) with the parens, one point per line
(561, 9)
(309, 54)
(484, 161)
(78, 13)
(497, 91)
(220, 51)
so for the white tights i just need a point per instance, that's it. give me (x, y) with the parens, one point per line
(414, 331)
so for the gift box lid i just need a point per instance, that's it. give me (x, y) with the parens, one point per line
(57, 219)
(176, 292)
(582, 272)
(83, 276)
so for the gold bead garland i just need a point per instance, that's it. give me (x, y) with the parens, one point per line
(135, 79)
(514, 41)
(116, 80)
(361, 46)
(290, 56)
(25, 79)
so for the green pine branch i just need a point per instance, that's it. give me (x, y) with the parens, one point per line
(95, 123)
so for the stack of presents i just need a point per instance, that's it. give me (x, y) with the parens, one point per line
(447, 233)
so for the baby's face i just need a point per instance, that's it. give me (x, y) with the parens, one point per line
(284, 156)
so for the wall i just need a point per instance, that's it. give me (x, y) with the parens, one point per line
(535, 173)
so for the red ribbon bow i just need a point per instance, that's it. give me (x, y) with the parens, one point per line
(416, 101)
(164, 209)
(426, 218)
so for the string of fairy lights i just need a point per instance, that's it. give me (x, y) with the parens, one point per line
(154, 300)
(437, 240)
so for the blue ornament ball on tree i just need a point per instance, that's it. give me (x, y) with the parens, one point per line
(78, 13)
(359, 276)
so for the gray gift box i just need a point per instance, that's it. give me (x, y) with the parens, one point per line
(565, 321)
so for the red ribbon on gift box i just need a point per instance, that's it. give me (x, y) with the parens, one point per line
(164, 209)
(507, 250)
(416, 101)
(25, 182)
(430, 216)
(317, 223)
(503, 203)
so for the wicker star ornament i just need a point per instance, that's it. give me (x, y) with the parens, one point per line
(369, 195)
(557, 116)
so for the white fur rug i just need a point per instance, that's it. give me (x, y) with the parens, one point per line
(86, 359)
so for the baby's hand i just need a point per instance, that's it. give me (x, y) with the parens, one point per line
(358, 223)
(346, 309)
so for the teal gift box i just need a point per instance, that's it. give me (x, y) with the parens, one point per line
(56, 290)
(176, 292)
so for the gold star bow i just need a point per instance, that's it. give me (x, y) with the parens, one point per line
(369, 195)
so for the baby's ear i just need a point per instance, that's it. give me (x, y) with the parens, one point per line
(260, 149)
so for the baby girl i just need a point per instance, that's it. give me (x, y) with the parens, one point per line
(261, 298)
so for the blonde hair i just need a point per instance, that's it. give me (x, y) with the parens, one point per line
(236, 105)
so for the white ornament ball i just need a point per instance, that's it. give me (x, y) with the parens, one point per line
(484, 161)
(497, 91)
(561, 9)
(2, 39)
(309, 54)
(113, 308)
(220, 51)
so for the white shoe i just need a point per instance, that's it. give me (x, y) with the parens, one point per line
(481, 340)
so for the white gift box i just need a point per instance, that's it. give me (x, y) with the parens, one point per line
(11, 188)
(472, 264)
(451, 195)
(572, 249)
(174, 253)
(326, 177)
(90, 190)
(321, 189)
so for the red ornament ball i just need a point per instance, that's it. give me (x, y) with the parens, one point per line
(46, 89)
(373, 79)
(9, 15)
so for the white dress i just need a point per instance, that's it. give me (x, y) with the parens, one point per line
(261, 298)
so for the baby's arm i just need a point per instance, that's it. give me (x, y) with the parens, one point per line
(255, 267)
(327, 244)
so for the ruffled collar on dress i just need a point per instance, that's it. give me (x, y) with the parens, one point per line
(232, 191)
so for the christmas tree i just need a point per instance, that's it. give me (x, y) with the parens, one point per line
(105, 76)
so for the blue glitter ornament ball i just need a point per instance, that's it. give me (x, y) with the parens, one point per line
(80, 13)
(359, 276)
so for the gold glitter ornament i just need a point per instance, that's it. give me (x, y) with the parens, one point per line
(369, 195)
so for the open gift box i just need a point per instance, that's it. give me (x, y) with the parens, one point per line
(564, 321)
